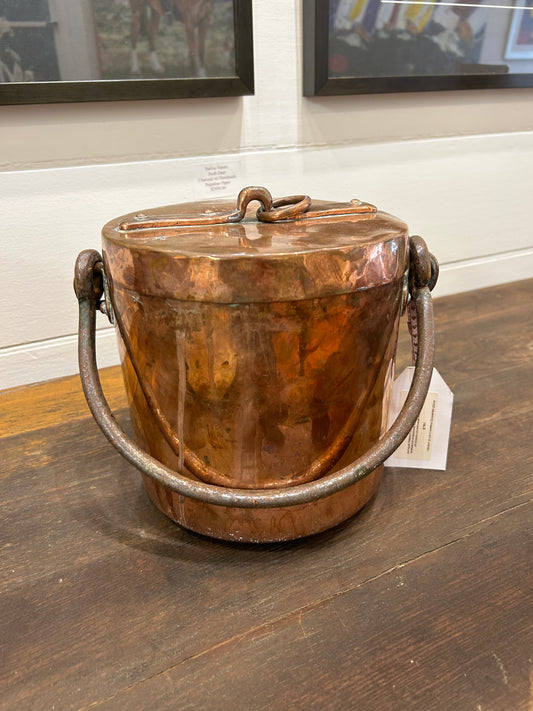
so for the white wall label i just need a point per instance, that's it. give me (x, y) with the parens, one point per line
(218, 180)
(426, 445)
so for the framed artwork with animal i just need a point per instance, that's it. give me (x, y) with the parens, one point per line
(111, 50)
(381, 46)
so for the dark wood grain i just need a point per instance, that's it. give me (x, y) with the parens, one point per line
(374, 646)
(423, 601)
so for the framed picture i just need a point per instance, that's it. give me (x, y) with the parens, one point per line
(520, 40)
(378, 46)
(111, 50)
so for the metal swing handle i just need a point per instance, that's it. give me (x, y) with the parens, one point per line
(89, 287)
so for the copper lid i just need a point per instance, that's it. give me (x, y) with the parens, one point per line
(291, 248)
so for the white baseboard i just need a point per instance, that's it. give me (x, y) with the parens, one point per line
(478, 273)
(54, 358)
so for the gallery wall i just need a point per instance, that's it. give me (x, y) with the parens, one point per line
(454, 165)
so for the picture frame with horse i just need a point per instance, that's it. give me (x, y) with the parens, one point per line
(111, 50)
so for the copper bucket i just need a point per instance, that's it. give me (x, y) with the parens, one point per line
(257, 352)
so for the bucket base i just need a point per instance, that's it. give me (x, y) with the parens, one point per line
(263, 525)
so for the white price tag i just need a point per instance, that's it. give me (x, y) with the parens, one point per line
(426, 445)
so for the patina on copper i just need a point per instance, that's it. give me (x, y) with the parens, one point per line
(256, 357)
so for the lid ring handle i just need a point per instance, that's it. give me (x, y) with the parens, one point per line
(271, 210)
(285, 208)
(292, 207)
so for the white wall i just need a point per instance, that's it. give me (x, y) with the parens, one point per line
(454, 165)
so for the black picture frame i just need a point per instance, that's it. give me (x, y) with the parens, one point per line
(317, 82)
(242, 83)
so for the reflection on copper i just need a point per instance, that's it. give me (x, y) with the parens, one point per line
(257, 355)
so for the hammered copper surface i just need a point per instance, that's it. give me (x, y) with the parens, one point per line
(260, 392)
(263, 525)
(254, 261)
(266, 349)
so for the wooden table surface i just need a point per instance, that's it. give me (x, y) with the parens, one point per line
(422, 601)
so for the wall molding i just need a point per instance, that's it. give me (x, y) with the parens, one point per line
(53, 358)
